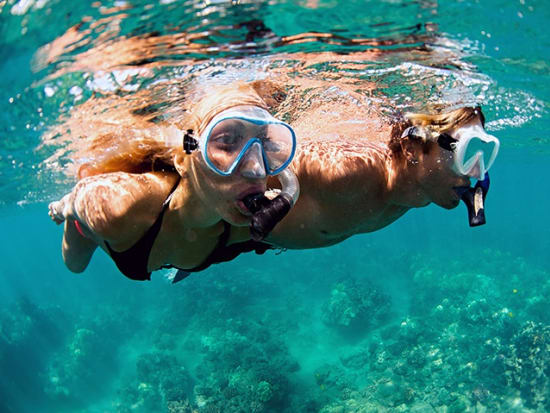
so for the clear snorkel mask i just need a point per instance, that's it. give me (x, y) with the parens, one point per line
(474, 152)
(251, 134)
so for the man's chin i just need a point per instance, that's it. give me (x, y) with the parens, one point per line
(454, 204)
(449, 203)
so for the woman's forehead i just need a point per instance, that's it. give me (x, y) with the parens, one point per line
(235, 124)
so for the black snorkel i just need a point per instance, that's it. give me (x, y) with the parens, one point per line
(474, 198)
(268, 212)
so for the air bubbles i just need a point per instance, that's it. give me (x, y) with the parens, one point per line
(21, 7)
(49, 91)
(76, 91)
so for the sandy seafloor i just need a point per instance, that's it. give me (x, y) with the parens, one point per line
(426, 315)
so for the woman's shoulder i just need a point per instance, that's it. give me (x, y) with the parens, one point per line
(116, 202)
(121, 186)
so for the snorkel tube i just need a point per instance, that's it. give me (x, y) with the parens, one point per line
(268, 212)
(474, 198)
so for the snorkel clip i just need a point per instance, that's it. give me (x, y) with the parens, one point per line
(189, 142)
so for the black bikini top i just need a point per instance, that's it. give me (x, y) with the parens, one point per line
(133, 262)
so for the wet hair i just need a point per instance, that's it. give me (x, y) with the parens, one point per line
(118, 152)
(432, 125)
(140, 155)
(442, 122)
(238, 94)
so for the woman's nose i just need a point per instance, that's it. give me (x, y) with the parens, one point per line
(252, 164)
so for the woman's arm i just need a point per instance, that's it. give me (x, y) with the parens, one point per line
(77, 250)
(115, 207)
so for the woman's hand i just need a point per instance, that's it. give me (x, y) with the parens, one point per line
(56, 210)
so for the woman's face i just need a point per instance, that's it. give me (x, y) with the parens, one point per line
(240, 147)
(438, 177)
(224, 194)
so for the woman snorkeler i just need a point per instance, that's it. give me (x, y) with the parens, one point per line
(154, 205)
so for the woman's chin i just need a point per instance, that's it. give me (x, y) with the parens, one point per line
(241, 207)
(237, 215)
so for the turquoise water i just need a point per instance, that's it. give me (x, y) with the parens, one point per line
(426, 315)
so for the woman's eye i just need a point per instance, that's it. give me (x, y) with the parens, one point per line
(269, 145)
(226, 139)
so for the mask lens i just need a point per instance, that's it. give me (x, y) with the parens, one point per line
(476, 145)
(225, 143)
(278, 145)
(476, 151)
(229, 139)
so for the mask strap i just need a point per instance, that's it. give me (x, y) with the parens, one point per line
(447, 142)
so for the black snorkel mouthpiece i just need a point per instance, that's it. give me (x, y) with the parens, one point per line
(474, 198)
(267, 213)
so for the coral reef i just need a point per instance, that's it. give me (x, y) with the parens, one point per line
(475, 337)
(28, 336)
(162, 382)
(467, 346)
(355, 306)
(91, 346)
(244, 368)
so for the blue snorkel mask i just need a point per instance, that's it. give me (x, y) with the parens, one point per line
(247, 131)
(251, 134)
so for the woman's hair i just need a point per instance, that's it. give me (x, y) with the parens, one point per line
(223, 98)
(144, 154)
(433, 125)
(118, 152)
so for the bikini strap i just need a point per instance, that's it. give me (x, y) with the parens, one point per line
(133, 262)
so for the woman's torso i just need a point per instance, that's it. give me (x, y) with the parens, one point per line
(178, 242)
